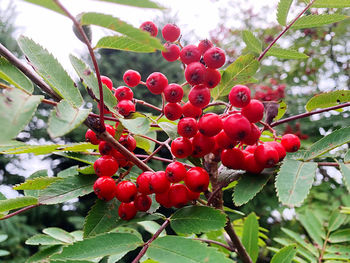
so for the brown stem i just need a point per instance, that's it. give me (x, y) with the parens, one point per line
(268, 127)
(148, 105)
(328, 164)
(323, 248)
(218, 103)
(156, 151)
(19, 211)
(215, 242)
(163, 160)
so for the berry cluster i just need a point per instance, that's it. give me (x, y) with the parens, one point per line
(274, 93)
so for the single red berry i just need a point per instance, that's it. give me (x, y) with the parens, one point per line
(90, 136)
(123, 93)
(202, 145)
(188, 110)
(105, 148)
(143, 183)
(223, 141)
(171, 32)
(105, 188)
(204, 45)
(172, 52)
(254, 111)
(173, 111)
(110, 129)
(210, 124)
(254, 135)
(290, 142)
(125, 107)
(279, 148)
(126, 191)
(107, 81)
(214, 57)
(212, 78)
(190, 54)
(233, 158)
(142, 202)
(237, 127)
(250, 149)
(266, 155)
(181, 147)
(164, 200)
(150, 27)
(106, 166)
(250, 164)
(122, 161)
(197, 179)
(173, 93)
(199, 96)
(127, 211)
(132, 78)
(191, 196)
(175, 172)
(187, 127)
(156, 83)
(178, 195)
(159, 182)
(239, 96)
(128, 142)
(195, 73)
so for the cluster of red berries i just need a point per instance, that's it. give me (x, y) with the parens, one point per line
(274, 93)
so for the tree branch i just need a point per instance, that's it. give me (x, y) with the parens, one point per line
(19, 211)
(216, 243)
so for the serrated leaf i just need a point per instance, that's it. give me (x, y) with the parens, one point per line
(317, 20)
(239, 72)
(123, 43)
(64, 118)
(331, 4)
(44, 254)
(51, 70)
(44, 240)
(294, 181)
(151, 227)
(38, 183)
(285, 255)
(248, 187)
(312, 226)
(59, 234)
(146, 144)
(139, 125)
(336, 220)
(67, 189)
(14, 76)
(99, 246)
(49, 4)
(347, 157)
(84, 158)
(283, 10)
(87, 170)
(327, 143)
(140, 217)
(253, 43)
(136, 3)
(345, 171)
(170, 129)
(15, 203)
(16, 110)
(281, 110)
(297, 238)
(197, 219)
(250, 236)
(174, 249)
(340, 236)
(328, 99)
(301, 250)
(73, 170)
(285, 53)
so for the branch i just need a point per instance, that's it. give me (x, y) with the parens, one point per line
(148, 105)
(19, 211)
(163, 160)
(216, 243)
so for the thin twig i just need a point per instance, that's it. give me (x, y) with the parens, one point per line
(148, 105)
(156, 151)
(163, 160)
(19, 211)
(215, 242)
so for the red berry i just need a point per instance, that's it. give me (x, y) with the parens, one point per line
(199, 96)
(163, 199)
(237, 127)
(223, 141)
(187, 127)
(122, 161)
(172, 52)
(204, 45)
(105, 148)
(126, 191)
(171, 32)
(173, 93)
(197, 179)
(128, 142)
(192, 195)
(125, 107)
(233, 158)
(110, 129)
(143, 183)
(132, 78)
(90, 136)
(105, 188)
(175, 172)
(156, 83)
(123, 93)
(250, 164)
(195, 73)
(178, 195)
(127, 211)
(106, 166)
(188, 110)
(159, 182)
(150, 27)
(212, 78)
(181, 147)
(173, 111)
(250, 149)
(107, 81)
(202, 145)
(190, 54)
(239, 96)
(254, 111)
(279, 148)
(142, 202)
(266, 155)
(254, 135)
(290, 142)
(214, 57)
(210, 124)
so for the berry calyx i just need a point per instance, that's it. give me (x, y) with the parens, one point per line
(171, 32)
(156, 83)
(290, 142)
(239, 96)
(175, 172)
(187, 127)
(181, 147)
(190, 54)
(126, 191)
(173, 93)
(199, 96)
(104, 187)
(197, 179)
(150, 27)
(214, 57)
(132, 78)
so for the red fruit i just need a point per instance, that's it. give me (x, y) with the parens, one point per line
(173, 93)
(142, 202)
(132, 78)
(150, 27)
(128, 142)
(188, 110)
(253, 136)
(181, 147)
(172, 52)
(126, 191)
(212, 78)
(171, 32)
(250, 149)
(127, 211)
(210, 124)
(192, 195)
(143, 183)
(110, 129)
(204, 45)
(237, 127)
(159, 182)
(290, 142)
(223, 141)
(195, 73)
(156, 83)
(178, 195)
(105, 148)
(90, 136)
(254, 111)
(125, 107)
(202, 145)
(163, 199)
(107, 81)
(266, 155)
(123, 93)
(233, 158)
(106, 166)
(173, 111)
(175, 172)
(122, 161)
(199, 96)
(279, 148)
(104, 187)
(239, 96)
(197, 179)
(214, 57)
(187, 127)
(190, 54)
(250, 164)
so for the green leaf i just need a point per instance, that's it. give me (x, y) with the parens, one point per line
(59, 234)
(146, 144)
(331, 3)
(336, 220)
(281, 110)
(99, 246)
(340, 236)
(123, 43)
(250, 236)
(16, 110)
(64, 118)
(44, 240)
(347, 157)
(197, 219)
(253, 43)
(4, 253)
(84, 158)
(67, 189)
(170, 129)
(317, 20)
(15, 203)
(174, 249)
(49, 4)
(345, 171)
(297, 238)
(44, 254)
(3, 237)
(73, 170)
(140, 217)
(327, 143)
(139, 125)
(122, 27)
(239, 72)
(52, 72)
(328, 99)
(285, 53)
(283, 10)
(151, 227)
(285, 255)
(136, 3)
(313, 226)
(38, 183)
(14, 76)
(248, 187)
(294, 181)
(102, 218)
